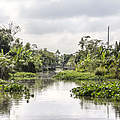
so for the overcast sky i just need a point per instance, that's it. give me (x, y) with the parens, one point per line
(59, 24)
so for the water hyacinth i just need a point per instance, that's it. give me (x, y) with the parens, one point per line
(97, 89)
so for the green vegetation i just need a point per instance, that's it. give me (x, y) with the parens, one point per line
(98, 89)
(74, 75)
(94, 62)
(14, 88)
(20, 62)
(20, 76)
(23, 74)
(95, 57)
(97, 69)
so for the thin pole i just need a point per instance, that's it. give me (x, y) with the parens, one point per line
(108, 36)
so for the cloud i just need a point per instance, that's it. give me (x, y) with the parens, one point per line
(71, 8)
(65, 42)
(55, 24)
(4, 18)
(72, 25)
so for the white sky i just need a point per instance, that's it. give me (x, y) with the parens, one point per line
(59, 24)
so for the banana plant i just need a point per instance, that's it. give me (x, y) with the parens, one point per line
(20, 56)
(6, 65)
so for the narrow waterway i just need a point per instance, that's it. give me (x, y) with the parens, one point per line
(52, 101)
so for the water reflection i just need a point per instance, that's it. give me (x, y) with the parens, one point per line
(52, 101)
(6, 100)
(116, 106)
(89, 103)
(5, 104)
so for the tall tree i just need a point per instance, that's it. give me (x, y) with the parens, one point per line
(7, 36)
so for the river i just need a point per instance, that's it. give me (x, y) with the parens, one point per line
(52, 101)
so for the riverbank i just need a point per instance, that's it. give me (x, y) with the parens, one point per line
(91, 85)
(76, 76)
(15, 83)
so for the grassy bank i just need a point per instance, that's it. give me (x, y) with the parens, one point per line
(74, 75)
(20, 76)
(91, 85)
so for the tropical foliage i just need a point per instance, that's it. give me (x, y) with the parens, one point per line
(21, 62)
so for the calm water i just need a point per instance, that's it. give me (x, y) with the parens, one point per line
(52, 101)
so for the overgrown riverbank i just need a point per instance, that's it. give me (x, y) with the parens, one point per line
(76, 76)
(91, 85)
(15, 84)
